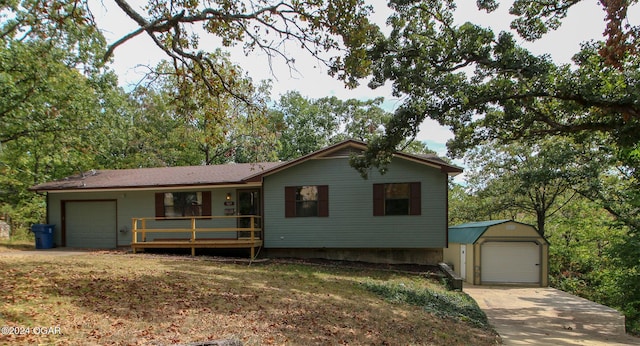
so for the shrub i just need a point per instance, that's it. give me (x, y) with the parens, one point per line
(446, 304)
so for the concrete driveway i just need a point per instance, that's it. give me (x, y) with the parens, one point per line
(547, 316)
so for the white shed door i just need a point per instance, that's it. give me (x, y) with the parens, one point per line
(510, 262)
(91, 224)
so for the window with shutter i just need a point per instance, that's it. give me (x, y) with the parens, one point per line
(306, 201)
(397, 199)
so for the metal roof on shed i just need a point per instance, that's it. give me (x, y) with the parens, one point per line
(469, 233)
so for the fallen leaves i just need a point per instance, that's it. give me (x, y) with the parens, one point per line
(124, 299)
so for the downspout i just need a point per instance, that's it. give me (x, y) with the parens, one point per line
(446, 231)
(264, 217)
(47, 209)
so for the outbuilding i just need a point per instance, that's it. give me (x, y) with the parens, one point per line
(498, 252)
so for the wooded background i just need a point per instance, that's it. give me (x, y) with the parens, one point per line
(554, 145)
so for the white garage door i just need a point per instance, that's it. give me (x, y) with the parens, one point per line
(510, 262)
(91, 224)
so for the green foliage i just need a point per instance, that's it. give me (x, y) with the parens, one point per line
(66, 25)
(176, 121)
(445, 304)
(581, 236)
(305, 125)
(486, 87)
(617, 188)
(62, 113)
(592, 256)
(541, 134)
(467, 206)
(40, 93)
(56, 102)
(591, 224)
(336, 33)
(24, 210)
(623, 279)
(534, 20)
(418, 147)
(537, 178)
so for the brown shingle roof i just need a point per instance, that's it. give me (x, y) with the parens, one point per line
(158, 177)
(210, 175)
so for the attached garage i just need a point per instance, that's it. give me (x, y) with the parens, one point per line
(498, 252)
(90, 224)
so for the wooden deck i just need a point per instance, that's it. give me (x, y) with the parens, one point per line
(145, 228)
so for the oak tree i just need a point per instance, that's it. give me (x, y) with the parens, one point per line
(485, 86)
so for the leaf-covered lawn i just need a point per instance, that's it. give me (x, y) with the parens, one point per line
(100, 298)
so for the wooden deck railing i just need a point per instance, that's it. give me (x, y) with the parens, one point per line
(140, 230)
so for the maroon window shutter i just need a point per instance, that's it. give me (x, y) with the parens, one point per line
(206, 203)
(290, 201)
(160, 204)
(415, 200)
(323, 200)
(378, 199)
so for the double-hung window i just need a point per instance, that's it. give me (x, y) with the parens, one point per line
(306, 201)
(397, 199)
(183, 204)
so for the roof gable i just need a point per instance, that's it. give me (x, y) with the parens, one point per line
(349, 146)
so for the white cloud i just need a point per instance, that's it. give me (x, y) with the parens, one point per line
(431, 130)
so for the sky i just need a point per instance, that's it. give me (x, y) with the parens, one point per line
(585, 21)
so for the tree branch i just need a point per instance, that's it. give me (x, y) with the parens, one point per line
(112, 47)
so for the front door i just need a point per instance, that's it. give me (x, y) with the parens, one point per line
(249, 204)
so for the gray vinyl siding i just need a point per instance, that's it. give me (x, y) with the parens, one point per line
(351, 223)
(130, 204)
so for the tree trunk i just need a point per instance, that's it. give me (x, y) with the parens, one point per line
(541, 218)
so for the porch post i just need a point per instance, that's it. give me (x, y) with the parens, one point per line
(193, 229)
(253, 250)
(134, 233)
(252, 226)
(193, 236)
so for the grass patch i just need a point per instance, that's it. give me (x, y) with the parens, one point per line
(446, 304)
(110, 298)
(13, 244)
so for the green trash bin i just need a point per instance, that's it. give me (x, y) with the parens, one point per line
(44, 235)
